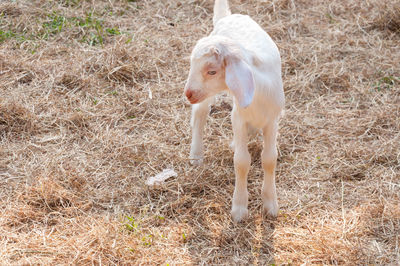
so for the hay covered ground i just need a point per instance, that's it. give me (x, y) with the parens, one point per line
(91, 105)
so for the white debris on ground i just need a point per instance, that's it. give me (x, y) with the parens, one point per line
(161, 177)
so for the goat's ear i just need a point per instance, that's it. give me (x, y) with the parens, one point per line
(240, 81)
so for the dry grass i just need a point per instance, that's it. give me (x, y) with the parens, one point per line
(92, 105)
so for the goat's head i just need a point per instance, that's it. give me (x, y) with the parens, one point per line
(216, 65)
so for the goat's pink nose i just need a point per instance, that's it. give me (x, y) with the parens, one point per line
(188, 94)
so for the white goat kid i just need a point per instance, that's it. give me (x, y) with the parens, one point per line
(239, 57)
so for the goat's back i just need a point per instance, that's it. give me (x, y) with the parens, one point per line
(245, 31)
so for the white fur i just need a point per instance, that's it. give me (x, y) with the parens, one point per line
(244, 57)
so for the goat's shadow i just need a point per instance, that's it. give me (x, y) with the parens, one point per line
(225, 242)
(248, 242)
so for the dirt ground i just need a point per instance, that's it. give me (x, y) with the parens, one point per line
(92, 105)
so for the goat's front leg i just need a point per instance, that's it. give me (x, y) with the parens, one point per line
(241, 161)
(198, 120)
(268, 158)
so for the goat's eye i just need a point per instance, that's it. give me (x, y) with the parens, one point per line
(212, 72)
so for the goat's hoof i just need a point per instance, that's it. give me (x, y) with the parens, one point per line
(196, 156)
(196, 161)
(239, 213)
(271, 207)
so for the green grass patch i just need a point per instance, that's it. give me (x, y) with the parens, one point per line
(55, 24)
(131, 224)
(113, 31)
(89, 29)
(386, 83)
(4, 35)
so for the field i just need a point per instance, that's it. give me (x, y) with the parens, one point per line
(92, 105)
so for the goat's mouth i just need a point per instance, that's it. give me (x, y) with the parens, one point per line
(196, 99)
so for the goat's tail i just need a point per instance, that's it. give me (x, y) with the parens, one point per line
(221, 9)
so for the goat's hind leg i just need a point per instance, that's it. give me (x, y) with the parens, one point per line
(198, 120)
(268, 158)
